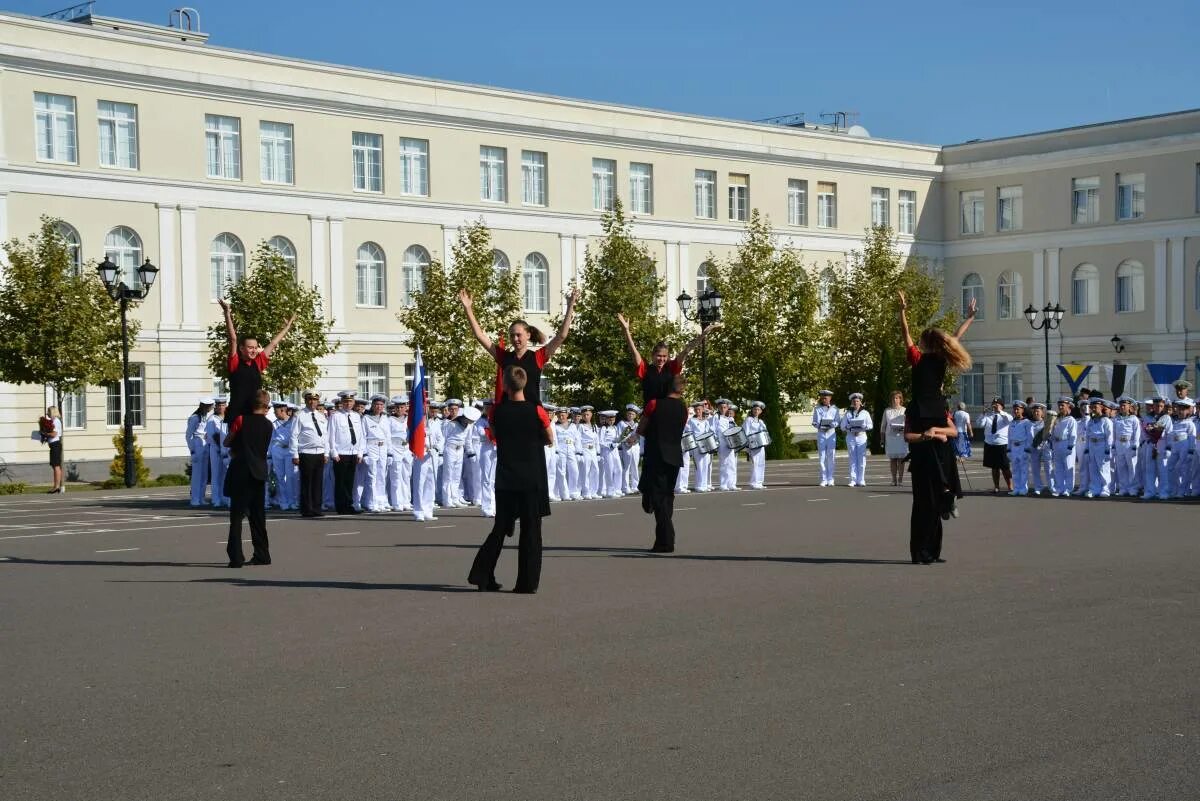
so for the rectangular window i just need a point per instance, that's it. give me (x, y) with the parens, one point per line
(826, 205)
(223, 138)
(493, 179)
(706, 194)
(970, 386)
(220, 388)
(797, 202)
(533, 178)
(1131, 196)
(971, 205)
(907, 208)
(410, 370)
(372, 380)
(604, 184)
(367, 153)
(414, 167)
(137, 400)
(275, 153)
(117, 134)
(641, 188)
(880, 201)
(54, 122)
(1085, 200)
(1008, 381)
(1010, 208)
(74, 410)
(739, 197)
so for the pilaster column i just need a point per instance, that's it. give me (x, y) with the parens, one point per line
(168, 278)
(188, 276)
(1053, 284)
(683, 269)
(1177, 307)
(3, 230)
(1039, 279)
(1160, 285)
(671, 270)
(318, 250)
(566, 267)
(449, 234)
(337, 272)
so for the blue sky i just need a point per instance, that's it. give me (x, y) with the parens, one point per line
(941, 72)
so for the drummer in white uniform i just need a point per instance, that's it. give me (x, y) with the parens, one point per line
(700, 427)
(756, 432)
(856, 422)
(722, 425)
(825, 420)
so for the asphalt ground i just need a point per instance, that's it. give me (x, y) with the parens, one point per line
(788, 650)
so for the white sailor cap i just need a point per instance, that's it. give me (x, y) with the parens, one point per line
(1097, 401)
(854, 395)
(1182, 383)
(1037, 405)
(378, 397)
(221, 399)
(312, 393)
(1019, 403)
(609, 413)
(698, 404)
(277, 403)
(399, 400)
(1125, 399)
(206, 401)
(453, 402)
(587, 407)
(632, 407)
(733, 406)
(825, 392)
(347, 393)
(293, 407)
(575, 410)
(758, 404)
(1067, 399)
(1188, 402)
(1111, 404)
(726, 401)
(1149, 401)
(437, 405)
(478, 404)
(362, 401)
(329, 404)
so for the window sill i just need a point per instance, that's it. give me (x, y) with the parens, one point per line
(118, 168)
(223, 178)
(414, 194)
(265, 182)
(60, 162)
(490, 200)
(1120, 220)
(368, 191)
(365, 306)
(1129, 311)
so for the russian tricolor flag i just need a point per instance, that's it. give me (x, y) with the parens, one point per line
(416, 410)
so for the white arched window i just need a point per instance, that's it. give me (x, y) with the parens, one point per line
(972, 289)
(284, 247)
(370, 269)
(123, 247)
(70, 238)
(226, 263)
(536, 279)
(1131, 287)
(703, 281)
(824, 293)
(500, 266)
(1008, 296)
(1085, 289)
(416, 260)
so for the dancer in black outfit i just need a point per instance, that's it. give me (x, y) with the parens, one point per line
(662, 427)
(245, 482)
(522, 430)
(932, 464)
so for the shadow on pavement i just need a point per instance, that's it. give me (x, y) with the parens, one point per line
(335, 585)
(19, 560)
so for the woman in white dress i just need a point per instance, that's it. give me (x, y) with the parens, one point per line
(893, 438)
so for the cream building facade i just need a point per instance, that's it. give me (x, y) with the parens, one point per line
(150, 143)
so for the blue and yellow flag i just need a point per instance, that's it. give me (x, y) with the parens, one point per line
(1075, 374)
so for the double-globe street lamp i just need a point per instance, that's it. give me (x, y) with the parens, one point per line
(118, 291)
(1051, 319)
(708, 311)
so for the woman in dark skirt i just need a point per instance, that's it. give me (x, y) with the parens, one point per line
(934, 481)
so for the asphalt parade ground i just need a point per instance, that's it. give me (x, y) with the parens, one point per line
(788, 650)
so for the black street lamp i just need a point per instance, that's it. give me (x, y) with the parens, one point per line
(708, 311)
(1051, 319)
(1117, 343)
(118, 291)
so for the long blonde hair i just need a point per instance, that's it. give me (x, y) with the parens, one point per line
(937, 341)
(52, 411)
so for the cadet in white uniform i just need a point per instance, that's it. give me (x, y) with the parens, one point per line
(214, 435)
(1098, 435)
(309, 451)
(377, 431)
(856, 422)
(1020, 449)
(723, 423)
(399, 463)
(564, 451)
(197, 424)
(700, 425)
(1041, 455)
(487, 464)
(1063, 439)
(470, 474)
(681, 483)
(280, 453)
(589, 462)
(825, 420)
(753, 424)
(1127, 436)
(612, 479)
(424, 470)
(995, 443)
(574, 454)
(1182, 447)
(631, 450)
(454, 431)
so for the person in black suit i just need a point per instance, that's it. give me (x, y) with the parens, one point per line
(662, 427)
(245, 481)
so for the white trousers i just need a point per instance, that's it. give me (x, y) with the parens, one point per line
(681, 483)
(758, 467)
(1019, 459)
(727, 470)
(424, 480)
(552, 472)
(629, 463)
(574, 488)
(1099, 476)
(561, 488)
(216, 470)
(1176, 470)
(1064, 470)
(374, 496)
(826, 448)
(1041, 464)
(199, 475)
(399, 483)
(452, 472)
(1126, 462)
(487, 479)
(470, 478)
(616, 475)
(703, 464)
(589, 469)
(287, 481)
(857, 453)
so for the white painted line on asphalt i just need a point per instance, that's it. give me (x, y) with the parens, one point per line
(869, 497)
(685, 508)
(610, 514)
(118, 550)
(817, 500)
(341, 533)
(449, 526)
(760, 503)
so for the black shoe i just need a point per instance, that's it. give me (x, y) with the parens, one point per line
(256, 561)
(521, 591)
(662, 549)
(491, 586)
(235, 564)
(940, 560)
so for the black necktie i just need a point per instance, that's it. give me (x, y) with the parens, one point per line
(353, 438)
(994, 418)
(318, 425)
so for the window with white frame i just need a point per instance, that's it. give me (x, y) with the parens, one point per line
(544, 390)
(1131, 195)
(366, 150)
(123, 247)
(739, 197)
(1010, 208)
(414, 167)
(706, 194)
(74, 410)
(54, 120)
(703, 279)
(500, 266)
(826, 204)
(971, 206)
(1008, 381)
(880, 201)
(604, 184)
(372, 380)
(223, 144)
(906, 206)
(286, 250)
(275, 153)
(416, 261)
(641, 188)
(220, 387)
(370, 268)
(1008, 296)
(1131, 287)
(797, 200)
(1085, 290)
(74, 246)
(493, 180)
(114, 411)
(1085, 200)
(825, 293)
(536, 279)
(117, 134)
(970, 386)
(410, 370)
(227, 264)
(972, 289)
(533, 178)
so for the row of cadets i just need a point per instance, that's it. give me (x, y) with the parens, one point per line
(630, 448)
(286, 484)
(399, 461)
(754, 424)
(309, 451)
(197, 444)
(825, 419)
(856, 422)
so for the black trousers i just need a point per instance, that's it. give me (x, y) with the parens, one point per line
(511, 507)
(343, 484)
(933, 494)
(312, 483)
(246, 500)
(658, 486)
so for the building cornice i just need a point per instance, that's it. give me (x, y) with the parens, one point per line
(1074, 237)
(1072, 157)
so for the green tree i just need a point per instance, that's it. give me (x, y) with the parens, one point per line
(438, 324)
(116, 468)
(58, 326)
(768, 308)
(774, 416)
(261, 304)
(879, 397)
(862, 323)
(619, 277)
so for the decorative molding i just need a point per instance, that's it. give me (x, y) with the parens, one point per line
(1072, 157)
(1074, 237)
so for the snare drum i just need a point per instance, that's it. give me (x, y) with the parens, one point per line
(708, 443)
(735, 439)
(688, 443)
(759, 439)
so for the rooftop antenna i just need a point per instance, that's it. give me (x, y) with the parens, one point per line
(841, 120)
(184, 18)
